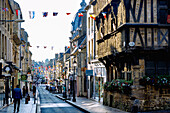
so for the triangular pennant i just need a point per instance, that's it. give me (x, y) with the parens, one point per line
(68, 13)
(38, 46)
(45, 14)
(52, 47)
(80, 14)
(16, 11)
(23, 45)
(92, 16)
(32, 14)
(45, 46)
(55, 13)
(104, 14)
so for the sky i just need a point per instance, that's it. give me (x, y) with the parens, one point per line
(51, 30)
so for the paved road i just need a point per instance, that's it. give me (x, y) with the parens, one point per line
(51, 104)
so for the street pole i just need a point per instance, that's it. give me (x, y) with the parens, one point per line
(74, 99)
(65, 84)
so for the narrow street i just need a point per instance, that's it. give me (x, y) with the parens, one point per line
(51, 104)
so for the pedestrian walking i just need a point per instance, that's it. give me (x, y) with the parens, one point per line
(17, 97)
(34, 90)
(24, 91)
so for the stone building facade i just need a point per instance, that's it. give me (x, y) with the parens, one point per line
(77, 47)
(133, 44)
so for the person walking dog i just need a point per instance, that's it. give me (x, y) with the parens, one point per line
(17, 97)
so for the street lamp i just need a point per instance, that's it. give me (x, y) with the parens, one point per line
(65, 93)
(74, 65)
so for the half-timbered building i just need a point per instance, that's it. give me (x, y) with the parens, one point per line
(133, 40)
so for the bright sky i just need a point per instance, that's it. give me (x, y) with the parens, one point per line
(51, 30)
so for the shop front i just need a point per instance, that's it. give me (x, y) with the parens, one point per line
(100, 79)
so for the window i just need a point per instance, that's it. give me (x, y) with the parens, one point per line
(163, 16)
(164, 11)
(157, 68)
(129, 76)
(163, 2)
(122, 75)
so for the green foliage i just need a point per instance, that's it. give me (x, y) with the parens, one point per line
(159, 81)
(119, 85)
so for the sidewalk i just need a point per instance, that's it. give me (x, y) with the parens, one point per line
(24, 108)
(90, 106)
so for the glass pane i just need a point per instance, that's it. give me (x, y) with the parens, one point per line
(149, 64)
(163, 16)
(150, 72)
(163, 2)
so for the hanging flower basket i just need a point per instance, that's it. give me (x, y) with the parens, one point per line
(118, 85)
(157, 81)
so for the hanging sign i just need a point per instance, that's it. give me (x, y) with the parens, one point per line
(89, 72)
(23, 77)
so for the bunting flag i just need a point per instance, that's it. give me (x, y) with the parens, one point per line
(32, 14)
(23, 45)
(55, 13)
(30, 46)
(45, 46)
(80, 14)
(5, 9)
(45, 14)
(38, 46)
(68, 47)
(52, 47)
(68, 13)
(93, 16)
(17, 11)
(104, 14)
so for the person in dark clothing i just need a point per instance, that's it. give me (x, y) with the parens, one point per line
(24, 91)
(17, 97)
(34, 90)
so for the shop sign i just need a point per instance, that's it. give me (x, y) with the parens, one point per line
(100, 72)
(23, 77)
(89, 72)
(7, 69)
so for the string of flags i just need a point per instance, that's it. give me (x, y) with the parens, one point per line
(52, 47)
(45, 14)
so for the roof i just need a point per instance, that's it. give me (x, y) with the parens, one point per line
(82, 43)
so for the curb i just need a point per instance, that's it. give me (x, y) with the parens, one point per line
(38, 110)
(6, 106)
(73, 104)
